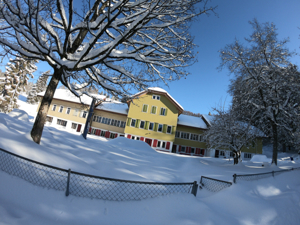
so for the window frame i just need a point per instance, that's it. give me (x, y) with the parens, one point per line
(54, 107)
(150, 125)
(162, 126)
(156, 97)
(164, 111)
(68, 111)
(145, 105)
(61, 109)
(152, 109)
(132, 122)
(142, 121)
(168, 126)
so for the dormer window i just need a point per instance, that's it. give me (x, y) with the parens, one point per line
(156, 97)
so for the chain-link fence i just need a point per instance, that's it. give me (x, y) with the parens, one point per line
(257, 176)
(214, 185)
(84, 185)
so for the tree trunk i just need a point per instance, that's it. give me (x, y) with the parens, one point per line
(38, 126)
(275, 143)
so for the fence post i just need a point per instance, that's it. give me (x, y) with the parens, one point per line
(195, 188)
(68, 183)
(234, 178)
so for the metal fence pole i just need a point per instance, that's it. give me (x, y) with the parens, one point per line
(234, 178)
(68, 183)
(195, 188)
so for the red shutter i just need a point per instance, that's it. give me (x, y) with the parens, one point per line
(142, 138)
(202, 151)
(128, 136)
(116, 135)
(168, 145)
(188, 149)
(99, 132)
(90, 130)
(154, 143)
(179, 149)
(107, 134)
(197, 151)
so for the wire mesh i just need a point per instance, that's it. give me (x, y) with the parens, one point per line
(250, 177)
(214, 185)
(84, 185)
(119, 190)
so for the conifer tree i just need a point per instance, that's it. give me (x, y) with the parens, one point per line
(40, 86)
(17, 75)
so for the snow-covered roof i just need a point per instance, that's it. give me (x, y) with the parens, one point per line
(191, 121)
(108, 105)
(208, 118)
(66, 95)
(114, 106)
(158, 89)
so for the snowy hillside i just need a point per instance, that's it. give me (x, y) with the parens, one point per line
(266, 201)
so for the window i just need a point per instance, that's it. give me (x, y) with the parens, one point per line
(194, 137)
(133, 121)
(158, 144)
(163, 111)
(163, 144)
(193, 150)
(160, 128)
(182, 149)
(76, 112)
(118, 123)
(169, 129)
(177, 134)
(108, 121)
(112, 122)
(222, 153)
(61, 108)
(62, 122)
(247, 155)
(145, 108)
(123, 124)
(133, 137)
(137, 138)
(74, 125)
(94, 118)
(156, 97)
(93, 131)
(68, 110)
(54, 108)
(142, 124)
(112, 135)
(231, 154)
(151, 125)
(102, 133)
(184, 135)
(153, 110)
(200, 138)
(83, 114)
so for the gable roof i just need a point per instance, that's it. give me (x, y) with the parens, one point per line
(108, 105)
(192, 121)
(157, 90)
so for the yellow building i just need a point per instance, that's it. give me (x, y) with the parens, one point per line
(153, 116)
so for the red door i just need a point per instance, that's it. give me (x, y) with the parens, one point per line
(149, 141)
(79, 128)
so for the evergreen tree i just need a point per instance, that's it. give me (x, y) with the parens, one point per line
(16, 78)
(41, 83)
(40, 86)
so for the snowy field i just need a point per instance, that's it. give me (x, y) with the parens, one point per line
(266, 201)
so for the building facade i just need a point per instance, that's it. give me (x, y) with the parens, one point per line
(153, 116)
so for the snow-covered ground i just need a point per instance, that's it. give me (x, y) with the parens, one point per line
(266, 201)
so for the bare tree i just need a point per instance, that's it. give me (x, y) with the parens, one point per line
(227, 132)
(266, 86)
(119, 45)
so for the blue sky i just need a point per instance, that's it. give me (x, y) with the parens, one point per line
(206, 87)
